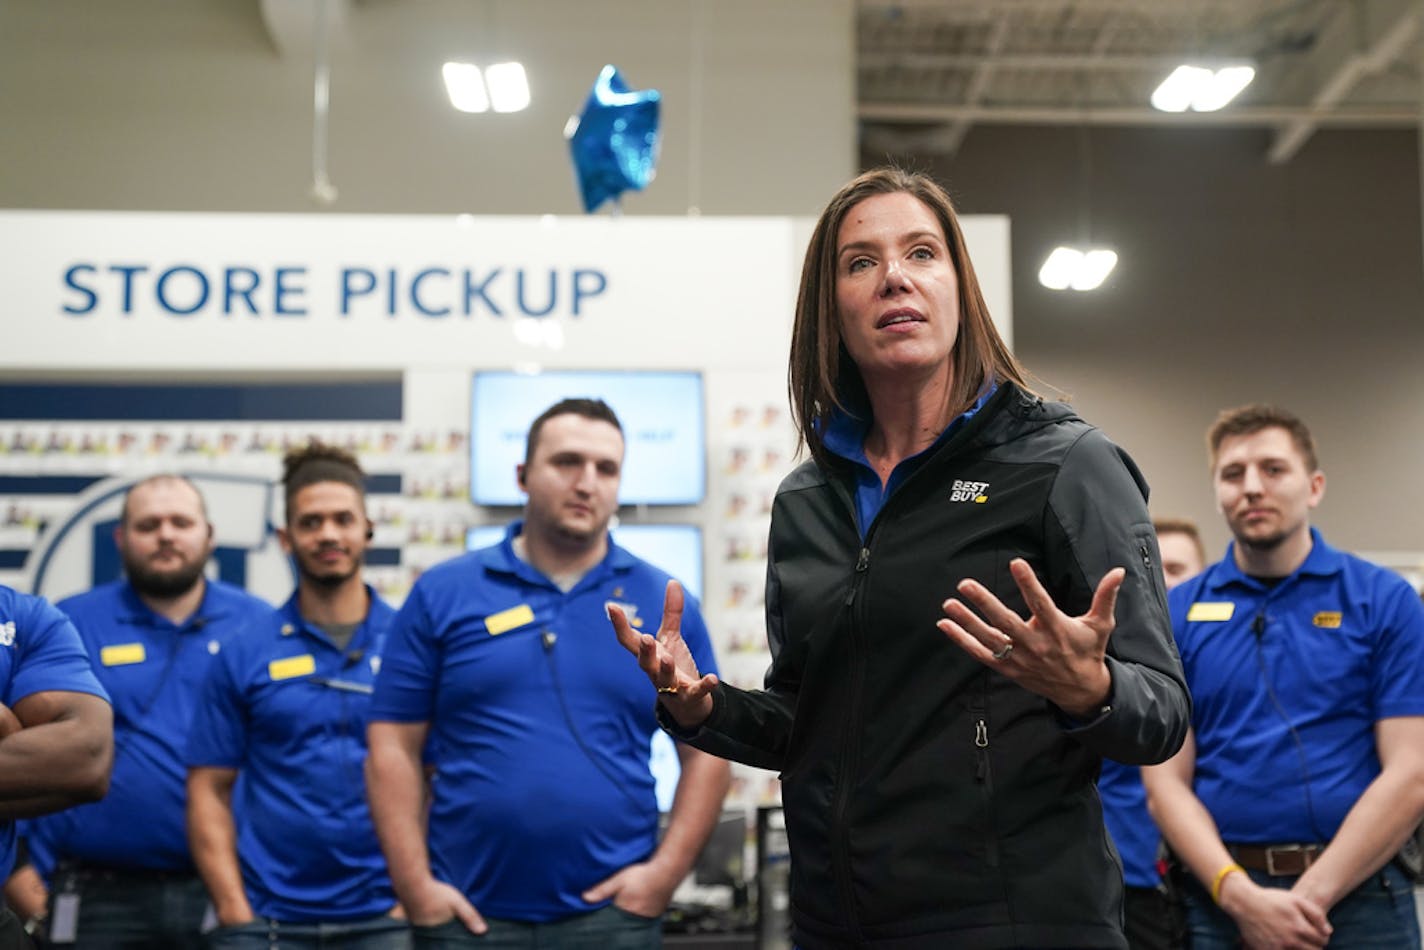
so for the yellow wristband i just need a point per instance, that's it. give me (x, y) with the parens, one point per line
(1220, 877)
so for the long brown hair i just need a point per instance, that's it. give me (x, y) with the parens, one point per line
(821, 375)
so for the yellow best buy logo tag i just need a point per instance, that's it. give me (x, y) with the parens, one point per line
(292, 666)
(509, 619)
(1209, 611)
(123, 654)
(1329, 619)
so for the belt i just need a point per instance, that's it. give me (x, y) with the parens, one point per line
(1277, 860)
(85, 870)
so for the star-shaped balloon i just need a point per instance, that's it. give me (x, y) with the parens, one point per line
(614, 140)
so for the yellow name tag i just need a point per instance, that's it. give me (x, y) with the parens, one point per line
(292, 666)
(122, 654)
(1329, 619)
(509, 619)
(1206, 610)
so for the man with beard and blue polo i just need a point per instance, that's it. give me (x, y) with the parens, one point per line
(56, 727)
(542, 829)
(120, 872)
(290, 858)
(1303, 774)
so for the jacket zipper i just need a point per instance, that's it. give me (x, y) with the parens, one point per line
(849, 757)
(984, 773)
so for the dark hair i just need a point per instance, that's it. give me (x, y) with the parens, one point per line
(588, 408)
(821, 376)
(1246, 420)
(153, 480)
(318, 462)
(1181, 526)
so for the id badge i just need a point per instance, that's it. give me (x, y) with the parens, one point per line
(64, 918)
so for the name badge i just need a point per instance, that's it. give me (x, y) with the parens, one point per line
(291, 667)
(1210, 611)
(1329, 619)
(507, 620)
(123, 654)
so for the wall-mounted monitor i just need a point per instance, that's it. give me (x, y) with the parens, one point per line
(663, 429)
(676, 548)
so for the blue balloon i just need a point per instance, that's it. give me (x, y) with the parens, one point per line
(615, 141)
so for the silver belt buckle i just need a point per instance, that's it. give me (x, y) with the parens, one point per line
(1284, 849)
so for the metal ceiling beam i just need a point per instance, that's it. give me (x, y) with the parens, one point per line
(953, 136)
(1385, 47)
(926, 113)
(1025, 61)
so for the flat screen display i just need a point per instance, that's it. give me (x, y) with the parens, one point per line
(661, 414)
(676, 548)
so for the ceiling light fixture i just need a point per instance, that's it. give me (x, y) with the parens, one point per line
(503, 87)
(1071, 268)
(1201, 88)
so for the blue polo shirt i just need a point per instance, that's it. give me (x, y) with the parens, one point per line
(153, 669)
(1130, 823)
(542, 723)
(1339, 643)
(288, 709)
(39, 652)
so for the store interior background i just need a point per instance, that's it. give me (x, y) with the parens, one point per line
(1240, 280)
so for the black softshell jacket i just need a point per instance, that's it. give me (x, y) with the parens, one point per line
(931, 803)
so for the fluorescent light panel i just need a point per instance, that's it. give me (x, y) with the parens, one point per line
(1071, 268)
(503, 86)
(1201, 88)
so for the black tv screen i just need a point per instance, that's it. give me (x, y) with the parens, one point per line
(661, 414)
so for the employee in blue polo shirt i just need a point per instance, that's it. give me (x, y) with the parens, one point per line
(1151, 916)
(543, 824)
(291, 859)
(120, 872)
(1304, 771)
(56, 726)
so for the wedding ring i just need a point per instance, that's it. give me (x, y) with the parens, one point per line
(667, 689)
(1008, 648)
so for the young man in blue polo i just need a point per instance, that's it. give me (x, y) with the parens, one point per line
(56, 726)
(291, 859)
(120, 871)
(1304, 771)
(542, 827)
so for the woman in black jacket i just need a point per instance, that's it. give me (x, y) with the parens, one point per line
(964, 608)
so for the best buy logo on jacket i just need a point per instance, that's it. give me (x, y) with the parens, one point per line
(969, 491)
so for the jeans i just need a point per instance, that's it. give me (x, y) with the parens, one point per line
(1377, 915)
(607, 928)
(263, 933)
(130, 910)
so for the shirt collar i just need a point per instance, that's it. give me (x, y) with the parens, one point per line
(291, 615)
(1322, 561)
(215, 604)
(845, 430)
(501, 559)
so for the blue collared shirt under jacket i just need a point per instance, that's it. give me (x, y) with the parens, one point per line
(541, 721)
(287, 708)
(39, 652)
(1287, 684)
(153, 669)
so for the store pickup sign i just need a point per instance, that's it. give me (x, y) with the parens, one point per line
(185, 290)
(128, 291)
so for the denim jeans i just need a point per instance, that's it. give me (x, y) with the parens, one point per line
(607, 928)
(132, 910)
(263, 933)
(1377, 915)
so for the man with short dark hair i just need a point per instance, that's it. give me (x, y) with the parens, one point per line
(542, 829)
(120, 871)
(294, 860)
(1304, 771)
(56, 727)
